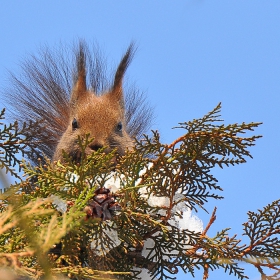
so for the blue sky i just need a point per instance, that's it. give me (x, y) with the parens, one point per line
(191, 55)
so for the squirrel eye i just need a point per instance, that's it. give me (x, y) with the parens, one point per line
(119, 126)
(74, 124)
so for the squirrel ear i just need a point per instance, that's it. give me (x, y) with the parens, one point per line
(117, 90)
(79, 88)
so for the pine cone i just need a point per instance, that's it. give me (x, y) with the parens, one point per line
(102, 205)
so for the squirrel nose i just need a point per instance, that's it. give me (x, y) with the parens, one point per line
(95, 146)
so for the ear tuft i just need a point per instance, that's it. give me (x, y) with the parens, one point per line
(127, 58)
(80, 87)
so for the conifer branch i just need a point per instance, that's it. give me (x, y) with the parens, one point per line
(95, 220)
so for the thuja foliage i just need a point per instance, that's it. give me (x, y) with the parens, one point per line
(66, 221)
(15, 140)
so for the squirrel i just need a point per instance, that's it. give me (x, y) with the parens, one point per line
(67, 94)
(70, 95)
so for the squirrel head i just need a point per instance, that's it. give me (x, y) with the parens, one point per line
(100, 116)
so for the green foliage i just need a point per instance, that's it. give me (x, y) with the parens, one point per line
(48, 229)
(263, 230)
(15, 140)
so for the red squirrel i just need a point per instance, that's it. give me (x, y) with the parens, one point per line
(68, 92)
(103, 117)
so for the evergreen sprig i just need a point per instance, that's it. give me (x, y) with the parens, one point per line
(46, 229)
(16, 141)
(263, 229)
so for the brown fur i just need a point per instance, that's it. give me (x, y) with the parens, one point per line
(92, 105)
(103, 117)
